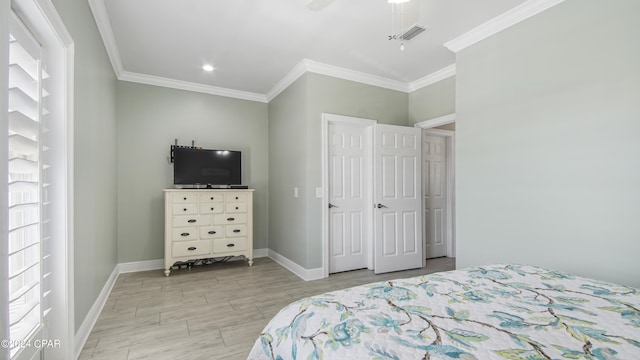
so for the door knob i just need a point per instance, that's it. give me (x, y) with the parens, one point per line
(332, 206)
(380, 206)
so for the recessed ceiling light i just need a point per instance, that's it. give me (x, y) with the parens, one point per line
(207, 67)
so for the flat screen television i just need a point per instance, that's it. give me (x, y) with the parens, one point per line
(193, 166)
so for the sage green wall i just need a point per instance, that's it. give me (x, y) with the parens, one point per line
(548, 156)
(94, 157)
(287, 170)
(149, 119)
(295, 160)
(435, 100)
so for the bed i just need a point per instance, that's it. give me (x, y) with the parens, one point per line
(490, 312)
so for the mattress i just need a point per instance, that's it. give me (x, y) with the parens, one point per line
(489, 312)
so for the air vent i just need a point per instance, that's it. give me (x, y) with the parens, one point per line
(412, 32)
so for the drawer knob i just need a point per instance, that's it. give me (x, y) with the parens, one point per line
(191, 248)
(211, 232)
(185, 234)
(237, 198)
(237, 208)
(236, 230)
(211, 209)
(191, 220)
(212, 198)
(231, 245)
(231, 219)
(185, 209)
(184, 198)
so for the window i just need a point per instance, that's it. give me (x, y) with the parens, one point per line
(39, 303)
(26, 115)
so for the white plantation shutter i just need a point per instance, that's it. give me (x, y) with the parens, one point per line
(36, 307)
(26, 188)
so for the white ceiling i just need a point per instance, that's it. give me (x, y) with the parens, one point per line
(253, 44)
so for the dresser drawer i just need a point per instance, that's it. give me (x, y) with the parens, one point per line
(223, 219)
(194, 220)
(184, 198)
(212, 197)
(186, 209)
(184, 233)
(235, 197)
(229, 245)
(235, 230)
(211, 208)
(236, 208)
(191, 248)
(211, 232)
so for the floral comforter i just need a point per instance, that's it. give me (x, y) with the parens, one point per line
(491, 312)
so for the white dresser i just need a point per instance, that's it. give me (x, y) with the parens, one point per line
(204, 224)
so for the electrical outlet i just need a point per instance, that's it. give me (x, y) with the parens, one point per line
(295, 192)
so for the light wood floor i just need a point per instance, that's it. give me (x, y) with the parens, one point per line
(209, 312)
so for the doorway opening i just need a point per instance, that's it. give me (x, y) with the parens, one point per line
(439, 186)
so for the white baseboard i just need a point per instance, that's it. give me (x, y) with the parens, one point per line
(92, 316)
(138, 266)
(302, 273)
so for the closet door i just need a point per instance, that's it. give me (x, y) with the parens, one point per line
(349, 196)
(397, 193)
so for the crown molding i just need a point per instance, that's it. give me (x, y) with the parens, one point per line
(433, 78)
(519, 13)
(311, 66)
(189, 86)
(497, 24)
(99, 12)
(346, 74)
(294, 74)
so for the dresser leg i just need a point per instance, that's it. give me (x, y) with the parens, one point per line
(250, 262)
(167, 272)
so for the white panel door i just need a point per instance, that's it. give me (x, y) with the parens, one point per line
(397, 192)
(349, 194)
(435, 195)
